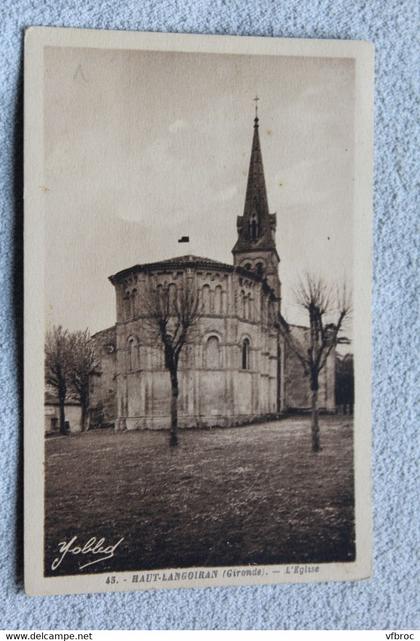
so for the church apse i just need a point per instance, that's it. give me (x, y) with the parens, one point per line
(234, 368)
(225, 373)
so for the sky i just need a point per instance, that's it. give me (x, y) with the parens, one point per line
(142, 148)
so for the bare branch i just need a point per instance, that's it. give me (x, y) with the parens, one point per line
(83, 361)
(58, 366)
(321, 301)
(57, 358)
(171, 313)
(313, 292)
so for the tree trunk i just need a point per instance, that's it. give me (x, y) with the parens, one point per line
(83, 417)
(61, 400)
(315, 420)
(173, 439)
(84, 407)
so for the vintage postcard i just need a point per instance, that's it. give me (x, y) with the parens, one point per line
(197, 310)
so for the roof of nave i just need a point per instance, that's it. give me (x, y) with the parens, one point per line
(104, 333)
(182, 262)
(189, 258)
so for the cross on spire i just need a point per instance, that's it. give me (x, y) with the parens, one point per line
(256, 99)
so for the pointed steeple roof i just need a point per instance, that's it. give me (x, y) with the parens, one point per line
(256, 226)
(256, 193)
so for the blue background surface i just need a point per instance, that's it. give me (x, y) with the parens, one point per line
(388, 600)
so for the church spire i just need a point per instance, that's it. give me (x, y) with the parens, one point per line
(256, 203)
(256, 226)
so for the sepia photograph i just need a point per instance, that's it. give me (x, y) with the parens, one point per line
(203, 294)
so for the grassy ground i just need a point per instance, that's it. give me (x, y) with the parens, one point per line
(253, 494)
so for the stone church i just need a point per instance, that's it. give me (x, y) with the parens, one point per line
(235, 369)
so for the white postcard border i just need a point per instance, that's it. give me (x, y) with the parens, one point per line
(37, 38)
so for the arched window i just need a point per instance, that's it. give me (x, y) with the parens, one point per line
(224, 302)
(132, 354)
(206, 299)
(259, 267)
(242, 303)
(246, 306)
(133, 303)
(213, 353)
(264, 315)
(271, 312)
(245, 354)
(172, 296)
(185, 357)
(218, 300)
(127, 305)
(250, 308)
(159, 301)
(253, 227)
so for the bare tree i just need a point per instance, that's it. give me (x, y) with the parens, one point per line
(57, 366)
(83, 363)
(171, 313)
(320, 302)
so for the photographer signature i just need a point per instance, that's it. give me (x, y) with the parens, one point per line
(92, 546)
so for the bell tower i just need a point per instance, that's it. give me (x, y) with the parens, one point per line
(255, 248)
